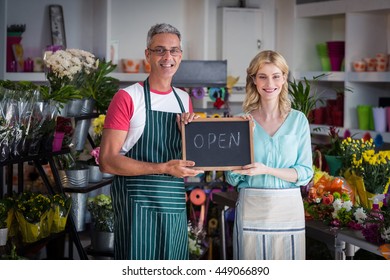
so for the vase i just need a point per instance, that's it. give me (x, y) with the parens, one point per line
(3, 236)
(102, 241)
(388, 118)
(107, 175)
(380, 120)
(57, 141)
(365, 117)
(78, 210)
(334, 163)
(12, 40)
(73, 107)
(75, 178)
(95, 175)
(82, 126)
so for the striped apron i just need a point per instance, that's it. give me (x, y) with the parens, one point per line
(150, 210)
(269, 225)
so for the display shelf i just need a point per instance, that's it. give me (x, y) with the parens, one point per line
(369, 77)
(364, 28)
(40, 76)
(333, 76)
(317, 129)
(89, 188)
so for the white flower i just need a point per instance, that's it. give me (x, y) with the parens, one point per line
(385, 234)
(68, 63)
(347, 205)
(360, 215)
(337, 204)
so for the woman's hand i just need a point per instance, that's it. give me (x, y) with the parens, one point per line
(252, 169)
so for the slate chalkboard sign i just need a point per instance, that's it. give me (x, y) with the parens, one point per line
(218, 143)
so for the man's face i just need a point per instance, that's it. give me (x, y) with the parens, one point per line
(164, 54)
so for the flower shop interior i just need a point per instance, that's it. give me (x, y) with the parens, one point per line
(54, 201)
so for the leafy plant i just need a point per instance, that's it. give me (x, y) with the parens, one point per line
(102, 212)
(5, 206)
(100, 86)
(32, 206)
(303, 96)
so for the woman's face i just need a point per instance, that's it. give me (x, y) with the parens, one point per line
(269, 81)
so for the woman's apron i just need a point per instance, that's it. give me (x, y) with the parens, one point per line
(150, 210)
(269, 225)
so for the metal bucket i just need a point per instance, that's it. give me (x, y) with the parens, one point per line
(78, 209)
(102, 241)
(95, 175)
(75, 178)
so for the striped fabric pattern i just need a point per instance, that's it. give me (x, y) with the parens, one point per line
(269, 225)
(151, 220)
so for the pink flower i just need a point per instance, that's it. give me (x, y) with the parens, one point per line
(95, 153)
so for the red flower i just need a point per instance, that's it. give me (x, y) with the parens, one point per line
(327, 198)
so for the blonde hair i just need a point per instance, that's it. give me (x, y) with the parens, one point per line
(253, 99)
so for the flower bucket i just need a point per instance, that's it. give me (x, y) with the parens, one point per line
(73, 107)
(380, 120)
(95, 175)
(79, 209)
(107, 175)
(102, 241)
(75, 178)
(3, 236)
(80, 134)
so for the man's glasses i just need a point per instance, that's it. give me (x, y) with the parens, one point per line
(161, 51)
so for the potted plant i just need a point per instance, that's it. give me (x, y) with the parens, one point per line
(304, 97)
(332, 151)
(102, 216)
(100, 86)
(5, 219)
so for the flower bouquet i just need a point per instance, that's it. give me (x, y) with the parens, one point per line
(196, 236)
(59, 211)
(67, 71)
(331, 200)
(32, 211)
(64, 125)
(364, 169)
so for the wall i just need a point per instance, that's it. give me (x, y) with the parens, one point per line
(128, 23)
(78, 19)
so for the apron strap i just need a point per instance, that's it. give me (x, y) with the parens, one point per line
(148, 105)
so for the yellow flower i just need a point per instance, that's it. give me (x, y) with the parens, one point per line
(98, 124)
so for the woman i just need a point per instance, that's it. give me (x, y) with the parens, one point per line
(269, 221)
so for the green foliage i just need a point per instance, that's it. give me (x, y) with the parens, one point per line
(62, 95)
(100, 86)
(102, 212)
(5, 206)
(304, 97)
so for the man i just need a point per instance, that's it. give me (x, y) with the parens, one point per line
(141, 145)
